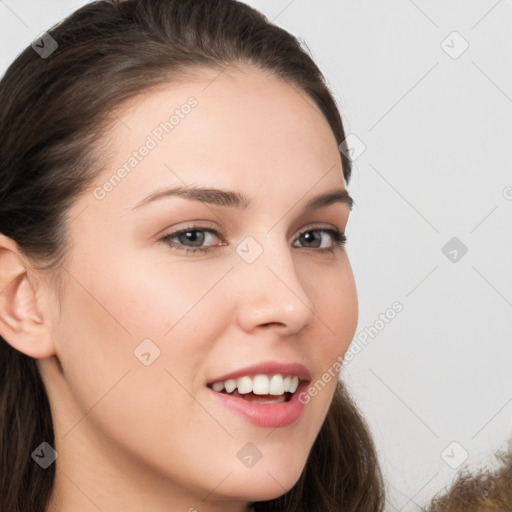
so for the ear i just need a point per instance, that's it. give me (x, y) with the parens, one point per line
(22, 324)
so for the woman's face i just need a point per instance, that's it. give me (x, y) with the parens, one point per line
(145, 328)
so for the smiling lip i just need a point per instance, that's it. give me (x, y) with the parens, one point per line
(269, 415)
(267, 368)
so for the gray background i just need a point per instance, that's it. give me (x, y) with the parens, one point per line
(436, 126)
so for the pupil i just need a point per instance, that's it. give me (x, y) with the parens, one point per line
(192, 237)
(308, 235)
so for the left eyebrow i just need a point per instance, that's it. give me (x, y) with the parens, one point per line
(237, 200)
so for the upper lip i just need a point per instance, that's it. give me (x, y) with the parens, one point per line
(268, 368)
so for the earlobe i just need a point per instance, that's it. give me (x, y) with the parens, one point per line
(22, 324)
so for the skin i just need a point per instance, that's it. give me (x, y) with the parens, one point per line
(133, 437)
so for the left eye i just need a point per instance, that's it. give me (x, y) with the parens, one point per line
(198, 235)
(338, 238)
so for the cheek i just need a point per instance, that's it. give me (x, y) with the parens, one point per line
(164, 298)
(104, 318)
(116, 313)
(334, 297)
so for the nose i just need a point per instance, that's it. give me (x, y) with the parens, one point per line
(270, 292)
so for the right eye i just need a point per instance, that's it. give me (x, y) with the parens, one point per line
(189, 234)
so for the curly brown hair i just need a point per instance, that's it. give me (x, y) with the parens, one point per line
(486, 490)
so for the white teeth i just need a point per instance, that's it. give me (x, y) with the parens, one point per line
(244, 385)
(230, 385)
(276, 385)
(218, 386)
(260, 385)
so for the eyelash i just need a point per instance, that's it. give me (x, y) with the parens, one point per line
(339, 239)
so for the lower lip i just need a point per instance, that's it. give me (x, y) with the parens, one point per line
(267, 415)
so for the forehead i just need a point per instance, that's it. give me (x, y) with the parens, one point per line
(239, 128)
(230, 105)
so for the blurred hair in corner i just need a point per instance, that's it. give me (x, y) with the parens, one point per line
(484, 490)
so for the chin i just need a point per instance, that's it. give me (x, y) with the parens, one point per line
(263, 483)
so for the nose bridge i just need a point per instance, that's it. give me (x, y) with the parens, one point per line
(272, 290)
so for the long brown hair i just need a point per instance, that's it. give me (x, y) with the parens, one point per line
(54, 111)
